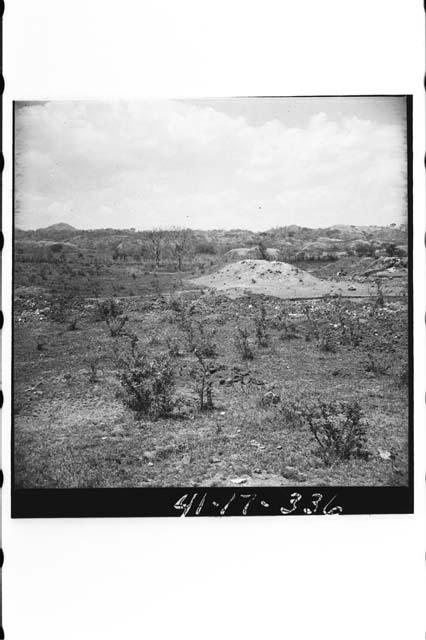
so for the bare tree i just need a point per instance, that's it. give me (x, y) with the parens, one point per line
(156, 239)
(180, 244)
(263, 251)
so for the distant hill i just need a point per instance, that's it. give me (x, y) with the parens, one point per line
(59, 231)
(58, 227)
(303, 242)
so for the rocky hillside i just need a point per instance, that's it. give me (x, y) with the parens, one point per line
(288, 243)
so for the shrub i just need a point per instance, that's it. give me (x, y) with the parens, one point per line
(111, 312)
(175, 305)
(287, 329)
(327, 341)
(260, 323)
(204, 383)
(184, 321)
(41, 343)
(380, 298)
(204, 342)
(312, 325)
(147, 385)
(242, 344)
(351, 331)
(338, 428)
(93, 360)
(196, 335)
(376, 364)
(391, 249)
(350, 326)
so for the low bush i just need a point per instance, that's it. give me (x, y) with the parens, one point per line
(196, 335)
(339, 428)
(380, 298)
(260, 323)
(204, 343)
(174, 304)
(377, 363)
(111, 312)
(312, 327)
(173, 346)
(204, 383)
(349, 324)
(147, 384)
(93, 360)
(287, 330)
(327, 341)
(242, 344)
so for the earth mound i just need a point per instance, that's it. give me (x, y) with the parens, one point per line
(275, 278)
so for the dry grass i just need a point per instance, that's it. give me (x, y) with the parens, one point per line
(69, 433)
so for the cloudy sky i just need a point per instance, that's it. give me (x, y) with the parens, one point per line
(248, 163)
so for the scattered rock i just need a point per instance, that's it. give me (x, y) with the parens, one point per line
(292, 473)
(270, 398)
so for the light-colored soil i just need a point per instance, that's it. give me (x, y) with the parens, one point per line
(277, 279)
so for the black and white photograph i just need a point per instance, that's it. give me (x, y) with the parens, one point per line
(213, 305)
(212, 293)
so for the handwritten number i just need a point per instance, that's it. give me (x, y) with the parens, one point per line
(201, 505)
(251, 497)
(223, 511)
(316, 499)
(295, 497)
(334, 511)
(183, 506)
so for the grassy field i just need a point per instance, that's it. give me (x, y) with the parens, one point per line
(72, 428)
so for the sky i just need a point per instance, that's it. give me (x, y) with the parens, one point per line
(249, 163)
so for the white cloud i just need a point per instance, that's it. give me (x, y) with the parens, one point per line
(164, 163)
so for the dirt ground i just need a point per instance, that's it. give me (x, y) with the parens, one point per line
(71, 431)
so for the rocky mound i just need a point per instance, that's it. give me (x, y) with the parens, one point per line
(274, 279)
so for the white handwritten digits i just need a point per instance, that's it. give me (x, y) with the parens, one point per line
(200, 506)
(223, 511)
(316, 499)
(187, 501)
(294, 499)
(335, 511)
(251, 497)
(183, 506)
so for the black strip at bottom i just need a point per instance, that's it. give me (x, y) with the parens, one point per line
(210, 501)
